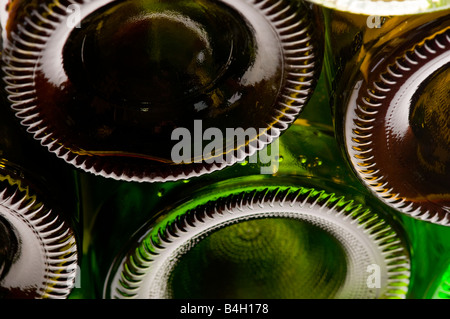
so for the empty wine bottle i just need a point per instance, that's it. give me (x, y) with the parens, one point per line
(38, 218)
(299, 230)
(389, 80)
(104, 84)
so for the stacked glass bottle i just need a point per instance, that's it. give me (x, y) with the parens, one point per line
(113, 80)
(391, 108)
(388, 79)
(39, 217)
(304, 228)
(115, 83)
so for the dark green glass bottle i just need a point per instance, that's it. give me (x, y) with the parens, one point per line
(391, 108)
(302, 229)
(39, 237)
(430, 255)
(441, 289)
(107, 85)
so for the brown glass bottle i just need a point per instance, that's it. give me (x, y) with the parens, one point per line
(39, 236)
(390, 87)
(105, 84)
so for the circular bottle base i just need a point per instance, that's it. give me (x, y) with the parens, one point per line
(371, 260)
(397, 141)
(44, 261)
(265, 73)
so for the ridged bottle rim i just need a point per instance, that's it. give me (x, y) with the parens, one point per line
(362, 112)
(385, 7)
(365, 236)
(24, 46)
(43, 234)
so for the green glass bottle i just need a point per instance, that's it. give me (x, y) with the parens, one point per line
(441, 290)
(289, 223)
(38, 218)
(390, 99)
(105, 84)
(430, 255)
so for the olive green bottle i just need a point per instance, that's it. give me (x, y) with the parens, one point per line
(389, 83)
(105, 84)
(291, 222)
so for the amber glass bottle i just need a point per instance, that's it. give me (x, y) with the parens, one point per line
(391, 105)
(108, 85)
(39, 236)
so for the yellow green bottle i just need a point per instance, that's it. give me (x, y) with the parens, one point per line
(303, 229)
